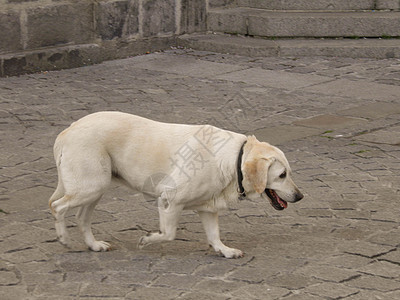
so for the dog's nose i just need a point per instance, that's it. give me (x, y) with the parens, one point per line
(299, 196)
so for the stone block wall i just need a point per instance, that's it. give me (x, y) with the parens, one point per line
(52, 34)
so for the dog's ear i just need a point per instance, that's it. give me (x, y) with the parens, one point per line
(256, 172)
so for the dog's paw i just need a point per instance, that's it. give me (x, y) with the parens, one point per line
(64, 240)
(231, 253)
(100, 246)
(142, 242)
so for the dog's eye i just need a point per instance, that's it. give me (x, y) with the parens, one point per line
(283, 175)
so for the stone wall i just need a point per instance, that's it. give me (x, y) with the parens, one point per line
(52, 34)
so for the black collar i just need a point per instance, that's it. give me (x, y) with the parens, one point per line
(241, 191)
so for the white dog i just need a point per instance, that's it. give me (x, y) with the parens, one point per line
(197, 167)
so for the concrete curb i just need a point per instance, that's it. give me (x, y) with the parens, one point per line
(283, 24)
(253, 47)
(65, 57)
(322, 4)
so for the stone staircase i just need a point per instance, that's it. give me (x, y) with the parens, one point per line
(345, 28)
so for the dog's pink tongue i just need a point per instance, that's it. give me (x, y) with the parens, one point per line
(283, 203)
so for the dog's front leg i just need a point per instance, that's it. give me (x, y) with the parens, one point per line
(169, 218)
(210, 223)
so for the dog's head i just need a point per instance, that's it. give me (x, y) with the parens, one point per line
(266, 171)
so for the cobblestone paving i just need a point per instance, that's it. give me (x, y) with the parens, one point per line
(338, 121)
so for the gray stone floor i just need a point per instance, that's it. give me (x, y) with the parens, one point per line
(338, 121)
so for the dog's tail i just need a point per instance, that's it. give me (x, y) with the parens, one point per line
(60, 191)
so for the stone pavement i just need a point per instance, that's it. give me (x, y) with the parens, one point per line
(338, 121)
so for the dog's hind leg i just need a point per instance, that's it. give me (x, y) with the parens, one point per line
(83, 179)
(58, 193)
(83, 217)
(61, 229)
(59, 208)
(86, 203)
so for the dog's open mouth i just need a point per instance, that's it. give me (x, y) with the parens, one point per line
(275, 201)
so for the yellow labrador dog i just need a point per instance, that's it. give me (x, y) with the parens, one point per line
(197, 167)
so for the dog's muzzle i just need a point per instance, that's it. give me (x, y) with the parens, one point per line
(277, 202)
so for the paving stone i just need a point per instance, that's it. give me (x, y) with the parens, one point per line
(190, 67)
(381, 137)
(359, 247)
(37, 278)
(8, 278)
(177, 266)
(280, 135)
(133, 277)
(329, 122)
(251, 275)
(202, 296)
(392, 295)
(393, 257)
(328, 273)
(14, 292)
(383, 269)
(311, 212)
(365, 294)
(301, 295)
(254, 291)
(104, 290)
(353, 214)
(374, 283)
(62, 289)
(357, 89)
(214, 269)
(348, 261)
(354, 234)
(292, 282)
(386, 238)
(27, 254)
(372, 111)
(144, 293)
(176, 281)
(331, 290)
(272, 78)
(216, 286)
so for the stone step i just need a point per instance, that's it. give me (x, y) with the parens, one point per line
(258, 47)
(266, 23)
(321, 4)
